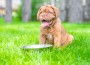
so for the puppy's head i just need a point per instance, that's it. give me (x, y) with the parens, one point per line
(47, 14)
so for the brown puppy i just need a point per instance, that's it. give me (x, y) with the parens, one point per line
(52, 32)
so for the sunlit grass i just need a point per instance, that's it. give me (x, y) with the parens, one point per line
(13, 36)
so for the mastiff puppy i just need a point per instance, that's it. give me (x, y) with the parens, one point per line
(52, 31)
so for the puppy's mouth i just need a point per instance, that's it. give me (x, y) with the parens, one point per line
(46, 23)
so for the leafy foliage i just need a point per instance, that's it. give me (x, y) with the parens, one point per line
(35, 6)
(19, 13)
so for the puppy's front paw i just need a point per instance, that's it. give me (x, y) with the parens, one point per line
(57, 45)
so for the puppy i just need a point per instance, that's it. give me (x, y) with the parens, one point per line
(52, 31)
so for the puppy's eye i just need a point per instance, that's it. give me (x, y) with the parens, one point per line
(40, 12)
(49, 12)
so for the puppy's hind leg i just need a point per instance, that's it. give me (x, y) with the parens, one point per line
(69, 40)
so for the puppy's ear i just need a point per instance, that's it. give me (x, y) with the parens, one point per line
(56, 10)
(38, 13)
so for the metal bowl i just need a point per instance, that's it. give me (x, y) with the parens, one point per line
(37, 46)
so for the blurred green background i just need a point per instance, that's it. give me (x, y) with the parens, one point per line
(73, 11)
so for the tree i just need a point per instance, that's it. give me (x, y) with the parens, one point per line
(53, 2)
(75, 11)
(62, 10)
(26, 10)
(8, 16)
(87, 10)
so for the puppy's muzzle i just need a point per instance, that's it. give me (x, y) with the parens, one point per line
(46, 24)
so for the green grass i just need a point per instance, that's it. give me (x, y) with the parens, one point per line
(13, 36)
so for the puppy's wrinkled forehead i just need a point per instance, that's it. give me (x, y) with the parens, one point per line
(46, 9)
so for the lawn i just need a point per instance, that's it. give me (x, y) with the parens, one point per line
(13, 36)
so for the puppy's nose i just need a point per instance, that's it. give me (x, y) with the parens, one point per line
(44, 15)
